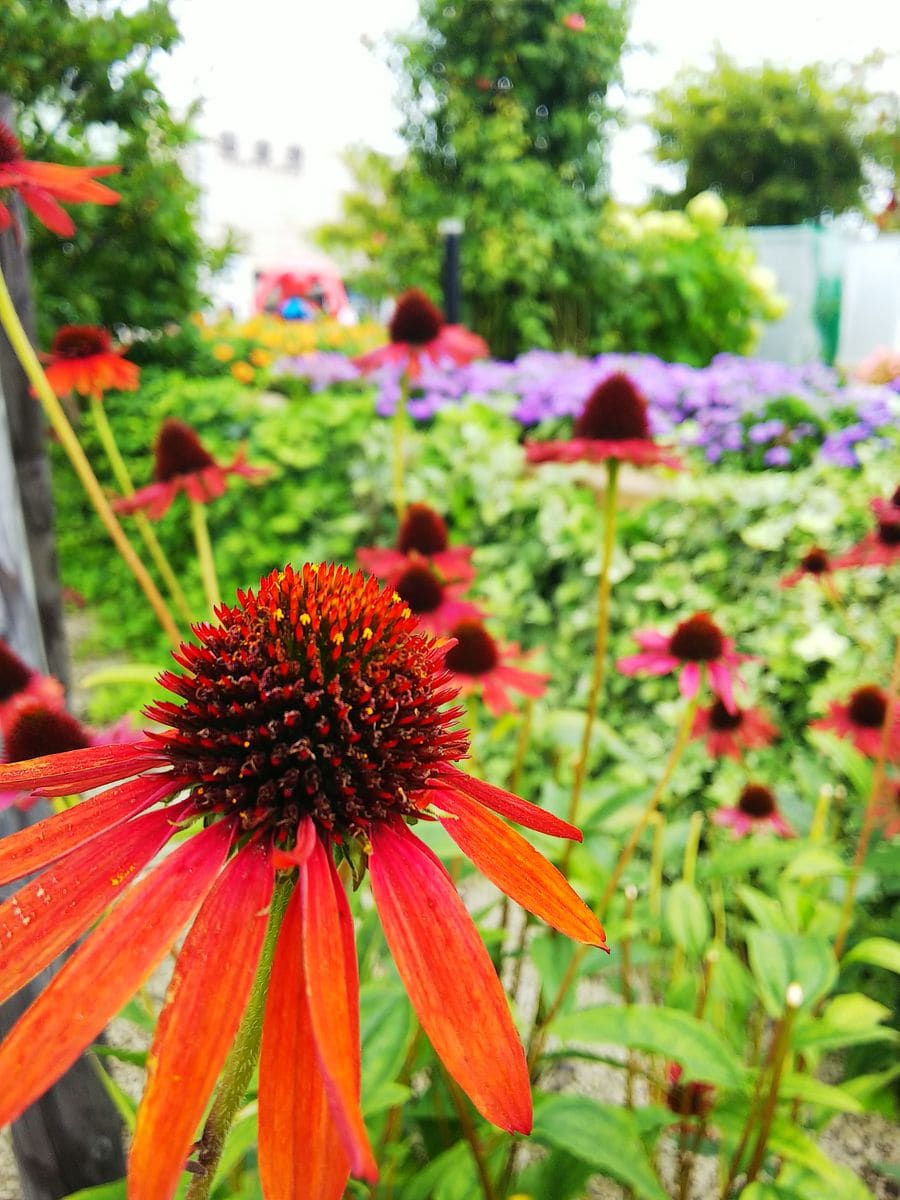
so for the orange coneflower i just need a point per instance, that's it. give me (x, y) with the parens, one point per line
(182, 464)
(42, 184)
(310, 721)
(418, 334)
(82, 359)
(613, 425)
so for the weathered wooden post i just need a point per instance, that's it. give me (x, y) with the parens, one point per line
(72, 1137)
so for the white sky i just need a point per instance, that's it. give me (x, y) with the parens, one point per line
(296, 71)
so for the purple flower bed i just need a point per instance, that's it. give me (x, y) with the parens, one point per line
(766, 414)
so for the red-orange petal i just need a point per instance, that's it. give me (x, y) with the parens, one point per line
(47, 211)
(204, 1004)
(449, 977)
(54, 910)
(102, 974)
(39, 845)
(513, 864)
(514, 808)
(300, 1150)
(335, 1024)
(71, 772)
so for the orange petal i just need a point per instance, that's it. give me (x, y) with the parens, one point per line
(41, 844)
(301, 1153)
(518, 869)
(52, 911)
(102, 973)
(449, 977)
(47, 211)
(204, 1004)
(514, 808)
(328, 987)
(71, 772)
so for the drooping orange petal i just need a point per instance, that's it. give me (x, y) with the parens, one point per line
(51, 912)
(71, 772)
(101, 975)
(301, 1153)
(204, 1005)
(327, 993)
(39, 845)
(514, 808)
(47, 211)
(513, 864)
(72, 184)
(449, 977)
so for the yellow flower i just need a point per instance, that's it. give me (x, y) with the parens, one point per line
(260, 357)
(243, 372)
(223, 352)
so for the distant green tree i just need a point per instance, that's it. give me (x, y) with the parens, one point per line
(80, 77)
(505, 120)
(779, 146)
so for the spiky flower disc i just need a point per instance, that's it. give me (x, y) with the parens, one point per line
(422, 530)
(416, 321)
(178, 451)
(615, 411)
(315, 696)
(80, 341)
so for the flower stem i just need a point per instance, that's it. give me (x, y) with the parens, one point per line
(205, 555)
(141, 520)
(522, 744)
(684, 734)
(780, 1053)
(243, 1057)
(871, 813)
(399, 438)
(24, 351)
(604, 587)
(470, 1133)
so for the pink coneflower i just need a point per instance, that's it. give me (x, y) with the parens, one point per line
(815, 564)
(41, 185)
(755, 812)
(691, 1099)
(423, 535)
(82, 359)
(696, 646)
(861, 720)
(308, 724)
(729, 732)
(479, 663)
(613, 425)
(182, 464)
(418, 334)
(881, 547)
(17, 680)
(436, 605)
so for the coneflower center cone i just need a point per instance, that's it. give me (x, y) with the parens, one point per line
(868, 707)
(889, 532)
(10, 149)
(698, 639)
(14, 674)
(423, 531)
(757, 801)
(420, 588)
(475, 652)
(178, 451)
(37, 731)
(615, 411)
(416, 321)
(80, 341)
(815, 561)
(316, 697)
(723, 721)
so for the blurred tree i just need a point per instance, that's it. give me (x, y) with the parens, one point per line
(506, 121)
(80, 77)
(779, 146)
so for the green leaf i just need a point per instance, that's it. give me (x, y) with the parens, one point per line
(877, 952)
(701, 1050)
(605, 1137)
(124, 673)
(814, 1091)
(687, 918)
(780, 959)
(386, 1023)
(766, 911)
(106, 1191)
(241, 1140)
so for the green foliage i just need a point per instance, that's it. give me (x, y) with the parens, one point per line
(780, 146)
(81, 79)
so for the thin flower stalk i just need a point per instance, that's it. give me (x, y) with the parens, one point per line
(144, 528)
(688, 872)
(205, 557)
(470, 1133)
(780, 1055)
(398, 440)
(604, 589)
(241, 1060)
(871, 814)
(628, 985)
(24, 351)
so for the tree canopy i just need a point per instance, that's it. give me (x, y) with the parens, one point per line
(779, 146)
(80, 76)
